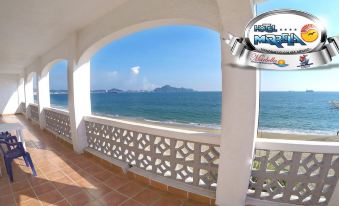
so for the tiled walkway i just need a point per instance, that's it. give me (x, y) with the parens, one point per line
(66, 178)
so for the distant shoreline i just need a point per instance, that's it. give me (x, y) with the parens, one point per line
(203, 128)
(303, 137)
(146, 91)
(131, 92)
(299, 114)
(260, 133)
(304, 91)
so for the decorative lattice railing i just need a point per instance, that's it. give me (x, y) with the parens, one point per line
(22, 108)
(34, 112)
(291, 172)
(294, 172)
(181, 155)
(58, 122)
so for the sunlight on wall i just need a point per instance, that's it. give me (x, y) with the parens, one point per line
(35, 88)
(9, 95)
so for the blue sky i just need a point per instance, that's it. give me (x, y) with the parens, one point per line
(189, 56)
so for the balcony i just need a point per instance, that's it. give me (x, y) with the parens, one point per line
(84, 159)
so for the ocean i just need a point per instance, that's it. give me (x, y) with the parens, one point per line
(281, 112)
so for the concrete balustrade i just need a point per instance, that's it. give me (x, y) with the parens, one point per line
(58, 122)
(294, 172)
(34, 112)
(179, 155)
(283, 172)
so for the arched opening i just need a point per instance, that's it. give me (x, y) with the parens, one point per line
(167, 74)
(58, 84)
(298, 105)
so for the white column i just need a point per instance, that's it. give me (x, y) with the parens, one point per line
(79, 102)
(240, 96)
(43, 97)
(239, 129)
(28, 94)
(21, 91)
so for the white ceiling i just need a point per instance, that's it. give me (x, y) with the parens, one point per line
(29, 28)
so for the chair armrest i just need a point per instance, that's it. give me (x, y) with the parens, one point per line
(11, 139)
(4, 135)
(12, 145)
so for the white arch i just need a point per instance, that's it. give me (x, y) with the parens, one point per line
(48, 66)
(134, 16)
(96, 46)
(128, 18)
(30, 76)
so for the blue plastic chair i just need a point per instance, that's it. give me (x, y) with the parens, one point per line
(15, 149)
(4, 135)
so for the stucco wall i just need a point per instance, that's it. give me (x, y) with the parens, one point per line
(9, 102)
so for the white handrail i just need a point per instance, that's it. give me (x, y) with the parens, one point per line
(297, 146)
(183, 134)
(62, 111)
(33, 104)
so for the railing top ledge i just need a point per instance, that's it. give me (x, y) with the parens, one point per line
(183, 134)
(298, 146)
(33, 104)
(57, 110)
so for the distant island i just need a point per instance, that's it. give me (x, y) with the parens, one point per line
(57, 91)
(168, 89)
(163, 89)
(115, 91)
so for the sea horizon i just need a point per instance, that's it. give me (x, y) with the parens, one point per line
(93, 90)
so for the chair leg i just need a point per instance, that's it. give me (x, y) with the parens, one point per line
(8, 163)
(5, 163)
(26, 162)
(29, 159)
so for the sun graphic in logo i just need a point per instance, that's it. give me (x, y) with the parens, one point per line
(309, 33)
(281, 63)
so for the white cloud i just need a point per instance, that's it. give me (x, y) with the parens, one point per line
(135, 70)
(112, 73)
(146, 85)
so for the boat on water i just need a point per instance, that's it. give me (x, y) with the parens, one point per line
(335, 104)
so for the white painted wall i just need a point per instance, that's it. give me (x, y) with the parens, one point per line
(9, 99)
(43, 97)
(21, 89)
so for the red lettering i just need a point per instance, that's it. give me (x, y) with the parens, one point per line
(262, 58)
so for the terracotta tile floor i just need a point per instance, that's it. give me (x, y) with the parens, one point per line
(66, 178)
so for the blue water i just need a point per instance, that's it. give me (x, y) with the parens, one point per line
(299, 112)
(284, 112)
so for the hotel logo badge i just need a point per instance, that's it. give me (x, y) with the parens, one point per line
(304, 62)
(284, 40)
